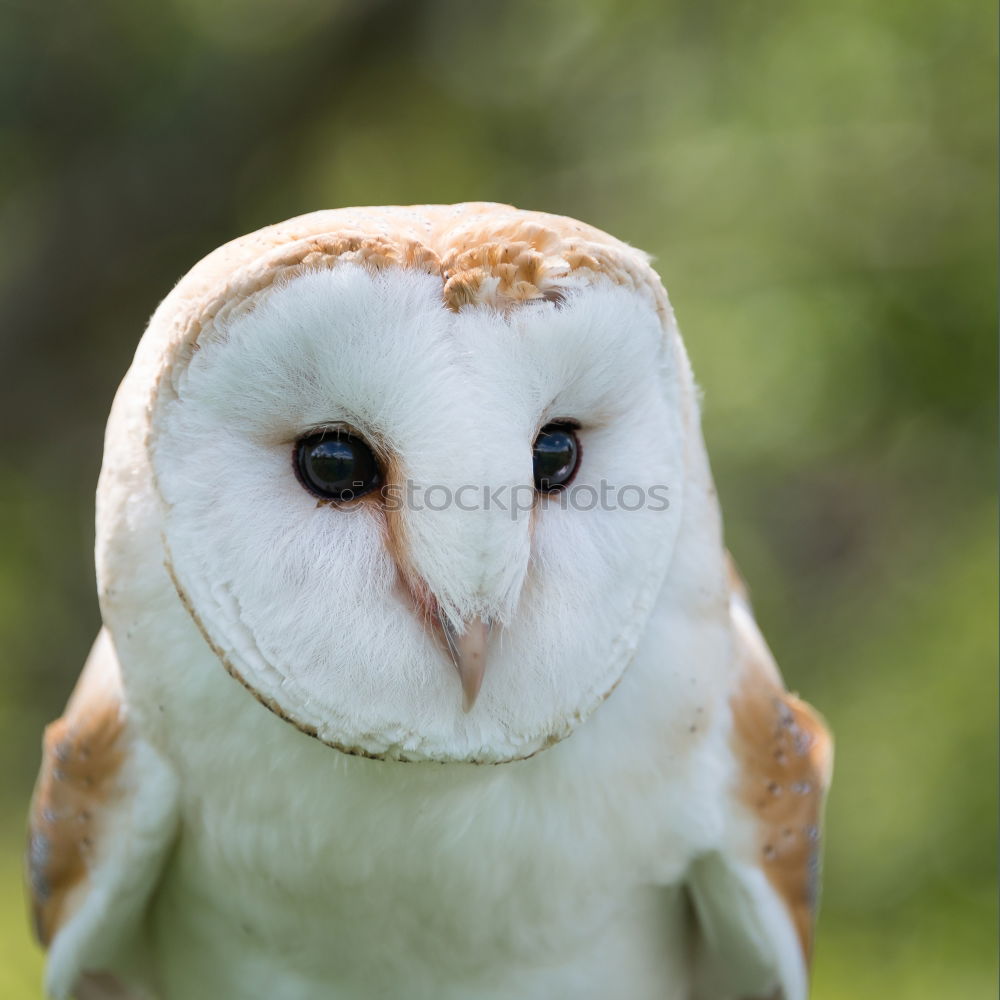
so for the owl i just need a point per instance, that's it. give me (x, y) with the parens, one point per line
(424, 671)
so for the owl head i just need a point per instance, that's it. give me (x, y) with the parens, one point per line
(416, 474)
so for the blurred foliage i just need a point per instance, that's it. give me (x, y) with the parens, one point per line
(817, 182)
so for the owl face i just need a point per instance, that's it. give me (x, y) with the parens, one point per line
(417, 530)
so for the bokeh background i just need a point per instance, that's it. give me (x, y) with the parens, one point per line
(817, 182)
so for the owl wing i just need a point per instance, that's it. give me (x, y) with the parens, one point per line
(103, 817)
(755, 900)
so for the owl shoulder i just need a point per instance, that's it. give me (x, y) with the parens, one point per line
(102, 818)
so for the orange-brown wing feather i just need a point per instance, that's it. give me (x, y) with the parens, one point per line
(785, 758)
(102, 820)
(82, 755)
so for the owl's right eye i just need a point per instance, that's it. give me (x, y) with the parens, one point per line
(335, 465)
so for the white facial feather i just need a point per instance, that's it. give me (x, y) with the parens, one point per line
(302, 599)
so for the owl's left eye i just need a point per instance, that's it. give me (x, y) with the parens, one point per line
(556, 456)
(336, 466)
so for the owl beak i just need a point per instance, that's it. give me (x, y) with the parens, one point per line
(468, 651)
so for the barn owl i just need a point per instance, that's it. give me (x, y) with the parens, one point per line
(424, 671)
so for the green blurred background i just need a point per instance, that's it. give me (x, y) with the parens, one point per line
(817, 182)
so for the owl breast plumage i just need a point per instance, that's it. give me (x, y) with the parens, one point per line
(424, 670)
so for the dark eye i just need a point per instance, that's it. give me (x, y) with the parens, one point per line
(336, 465)
(557, 454)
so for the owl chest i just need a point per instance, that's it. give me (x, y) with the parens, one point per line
(401, 885)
